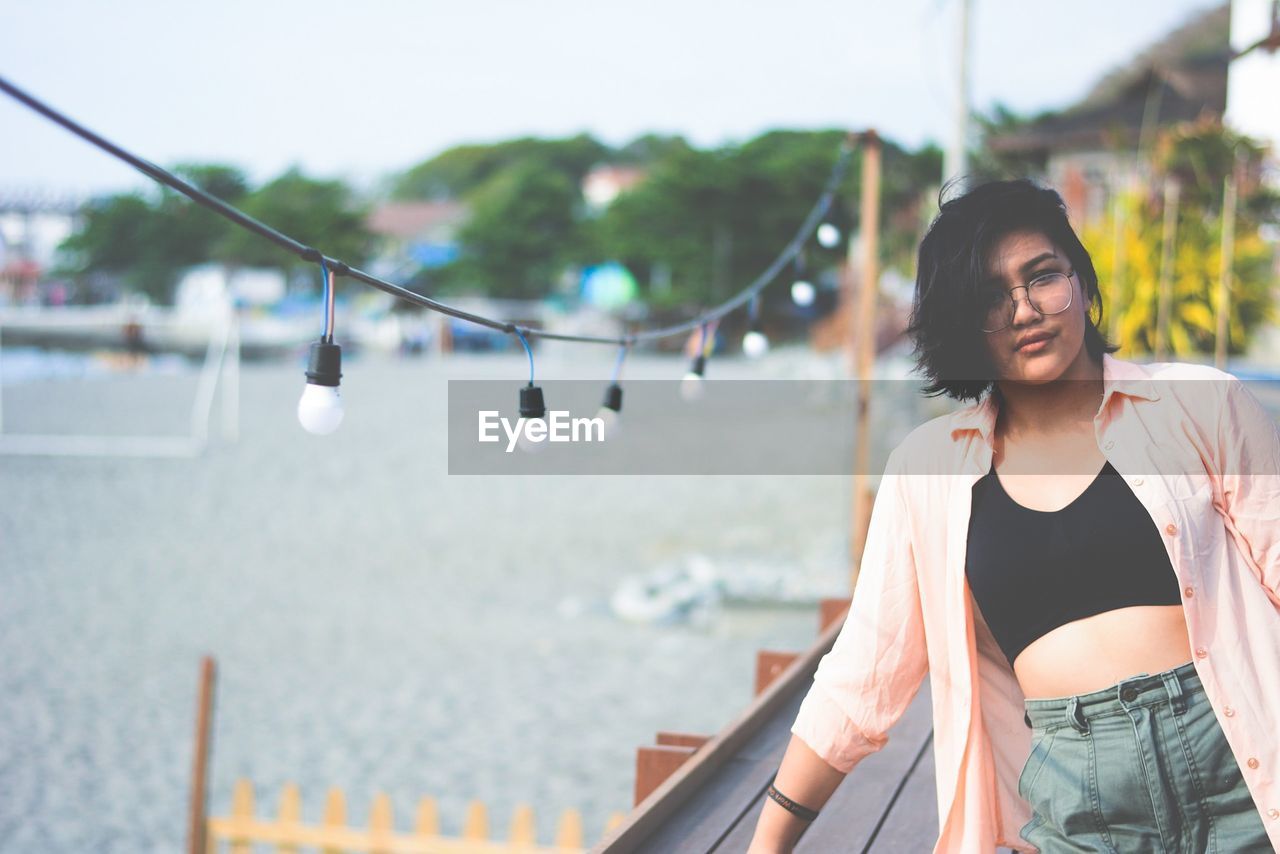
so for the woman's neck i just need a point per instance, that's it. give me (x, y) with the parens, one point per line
(1066, 404)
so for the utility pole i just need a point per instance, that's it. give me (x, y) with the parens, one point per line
(956, 161)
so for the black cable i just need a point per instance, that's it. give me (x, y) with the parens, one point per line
(307, 253)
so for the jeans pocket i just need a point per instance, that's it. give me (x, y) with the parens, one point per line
(1041, 743)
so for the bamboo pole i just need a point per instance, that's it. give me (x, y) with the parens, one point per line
(197, 809)
(866, 345)
(1223, 301)
(1164, 305)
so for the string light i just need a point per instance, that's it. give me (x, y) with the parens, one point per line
(320, 407)
(610, 411)
(802, 290)
(323, 371)
(828, 235)
(532, 408)
(755, 344)
(691, 386)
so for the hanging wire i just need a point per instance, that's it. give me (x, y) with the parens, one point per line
(327, 335)
(617, 367)
(337, 267)
(709, 343)
(520, 334)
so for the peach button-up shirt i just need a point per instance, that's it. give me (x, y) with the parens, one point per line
(1201, 455)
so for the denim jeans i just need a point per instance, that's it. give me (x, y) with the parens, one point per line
(1141, 766)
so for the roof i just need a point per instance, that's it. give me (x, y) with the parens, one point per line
(1180, 78)
(413, 219)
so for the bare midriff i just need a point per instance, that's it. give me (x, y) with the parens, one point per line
(1097, 651)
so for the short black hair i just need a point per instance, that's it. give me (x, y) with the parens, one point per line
(949, 346)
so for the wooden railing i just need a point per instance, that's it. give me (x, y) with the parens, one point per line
(242, 828)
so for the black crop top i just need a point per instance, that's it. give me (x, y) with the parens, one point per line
(1031, 571)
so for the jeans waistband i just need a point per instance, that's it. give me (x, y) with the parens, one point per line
(1141, 689)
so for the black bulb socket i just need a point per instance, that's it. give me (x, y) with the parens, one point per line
(325, 365)
(613, 397)
(531, 405)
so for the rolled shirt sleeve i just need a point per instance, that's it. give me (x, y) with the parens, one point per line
(1249, 466)
(879, 659)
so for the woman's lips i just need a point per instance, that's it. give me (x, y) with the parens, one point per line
(1035, 346)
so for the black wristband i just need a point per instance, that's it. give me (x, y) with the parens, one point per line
(790, 805)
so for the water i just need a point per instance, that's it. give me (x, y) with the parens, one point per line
(378, 624)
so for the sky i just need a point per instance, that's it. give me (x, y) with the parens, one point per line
(361, 91)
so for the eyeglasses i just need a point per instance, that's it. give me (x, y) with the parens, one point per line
(1049, 293)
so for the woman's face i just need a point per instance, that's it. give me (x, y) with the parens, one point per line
(1018, 258)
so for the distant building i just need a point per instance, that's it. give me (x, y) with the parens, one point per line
(416, 235)
(604, 183)
(1092, 146)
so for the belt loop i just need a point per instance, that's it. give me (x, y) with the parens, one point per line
(1177, 699)
(1075, 717)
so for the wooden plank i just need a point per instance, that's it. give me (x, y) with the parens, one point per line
(783, 697)
(849, 820)
(681, 739)
(842, 824)
(912, 821)
(701, 820)
(832, 610)
(770, 664)
(655, 763)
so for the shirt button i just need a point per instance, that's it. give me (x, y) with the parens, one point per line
(1109, 445)
(1253, 763)
(1274, 813)
(1171, 529)
(1137, 481)
(1188, 592)
(1228, 711)
(1201, 652)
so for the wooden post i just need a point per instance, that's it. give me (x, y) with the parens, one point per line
(1118, 215)
(770, 664)
(1223, 302)
(1164, 305)
(196, 810)
(868, 288)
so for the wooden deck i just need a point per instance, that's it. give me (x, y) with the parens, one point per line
(712, 802)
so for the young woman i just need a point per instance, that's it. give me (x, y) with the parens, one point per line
(1086, 562)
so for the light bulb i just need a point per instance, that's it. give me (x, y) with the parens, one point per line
(828, 235)
(611, 411)
(755, 344)
(534, 446)
(612, 422)
(691, 386)
(802, 292)
(320, 409)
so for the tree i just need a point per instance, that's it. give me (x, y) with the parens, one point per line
(521, 232)
(147, 239)
(321, 214)
(1126, 247)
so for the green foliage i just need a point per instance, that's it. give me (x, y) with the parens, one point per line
(462, 170)
(521, 232)
(318, 213)
(1126, 249)
(148, 240)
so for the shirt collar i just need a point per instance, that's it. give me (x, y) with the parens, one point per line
(1119, 376)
